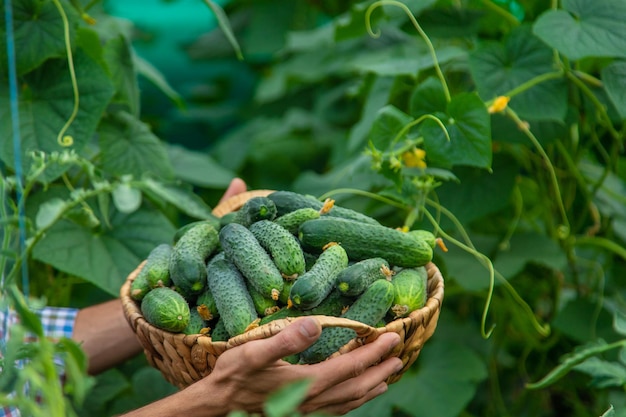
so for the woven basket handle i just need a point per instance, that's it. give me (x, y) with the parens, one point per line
(363, 331)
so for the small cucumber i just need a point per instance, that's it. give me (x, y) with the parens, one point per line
(354, 279)
(362, 241)
(189, 255)
(429, 237)
(166, 309)
(196, 323)
(244, 250)
(283, 247)
(264, 305)
(292, 220)
(410, 291)
(231, 295)
(155, 272)
(370, 308)
(206, 306)
(219, 332)
(314, 285)
(255, 209)
(288, 201)
(213, 221)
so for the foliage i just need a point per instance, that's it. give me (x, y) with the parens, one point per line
(476, 119)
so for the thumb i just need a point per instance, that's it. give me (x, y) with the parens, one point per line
(294, 338)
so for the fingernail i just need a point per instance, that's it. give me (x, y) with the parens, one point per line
(395, 342)
(399, 366)
(308, 327)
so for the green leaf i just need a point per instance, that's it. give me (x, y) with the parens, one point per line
(183, 199)
(152, 74)
(28, 318)
(285, 400)
(105, 257)
(529, 247)
(614, 82)
(428, 98)
(377, 96)
(604, 373)
(446, 380)
(49, 212)
(119, 59)
(592, 28)
(224, 24)
(46, 103)
(568, 363)
(388, 123)
(198, 168)
(619, 322)
(126, 198)
(38, 34)
(498, 68)
(130, 148)
(468, 125)
(609, 413)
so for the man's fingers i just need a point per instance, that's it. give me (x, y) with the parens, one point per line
(354, 363)
(236, 186)
(292, 339)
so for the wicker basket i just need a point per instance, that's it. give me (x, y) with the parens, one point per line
(184, 359)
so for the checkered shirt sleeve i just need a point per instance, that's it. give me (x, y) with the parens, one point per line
(57, 322)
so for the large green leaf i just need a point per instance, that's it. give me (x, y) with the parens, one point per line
(586, 28)
(119, 59)
(388, 123)
(498, 68)
(447, 377)
(176, 194)
(198, 168)
(38, 34)
(128, 146)
(529, 247)
(603, 373)
(107, 257)
(468, 126)
(46, 103)
(614, 81)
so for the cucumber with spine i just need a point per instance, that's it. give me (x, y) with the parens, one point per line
(213, 221)
(314, 285)
(189, 256)
(292, 220)
(244, 250)
(233, 301)
(283, 247)
(288, 201)
(410, 291)
(362, 241)
(354, 279)
(155, 272)
(255, 209)
(370, 308)
(166, 309)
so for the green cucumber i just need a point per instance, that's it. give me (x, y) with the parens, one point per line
(283, 247)
(155, 272)
(332, 305)
(354, 279)
(426, 235)
(228, 218)
(283, 297)
(314, 285)
(256, 265)
(263, 305)
(288, 201)
(233, 301)
(188, 259)
(196, 323)
(255, 209)
(213, 221)
(292, 220)
(166, 309)
(370, 308)
(206, 306)
(410, 291)
(362, 241)
(219, 332)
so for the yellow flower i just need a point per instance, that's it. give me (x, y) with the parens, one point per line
(414, 158)
(499, 104)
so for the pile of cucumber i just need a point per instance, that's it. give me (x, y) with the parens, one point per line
(283, 255)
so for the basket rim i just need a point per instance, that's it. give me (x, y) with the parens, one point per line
(132, 311)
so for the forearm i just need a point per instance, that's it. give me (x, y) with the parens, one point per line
(105, 336)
